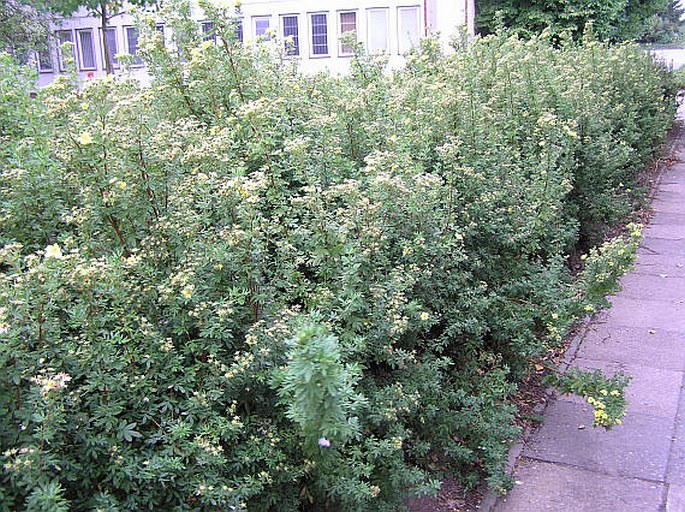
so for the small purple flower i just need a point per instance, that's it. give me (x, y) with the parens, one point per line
(324, 443)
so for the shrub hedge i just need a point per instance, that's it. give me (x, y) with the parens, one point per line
(244, 288)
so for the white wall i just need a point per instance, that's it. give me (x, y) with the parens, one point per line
(403, 20)
(82, 22)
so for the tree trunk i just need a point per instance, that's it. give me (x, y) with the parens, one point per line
(109, 65)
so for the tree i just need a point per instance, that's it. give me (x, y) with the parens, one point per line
(664, 27)
(22, 29)
(612, 20)
(103, 9)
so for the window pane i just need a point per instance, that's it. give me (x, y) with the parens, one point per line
(160, 28)
(132, 40)
(86, 49)
(239, 30)
(45, 59)
(348, 23)
(378, 30)
(208, 31)
(63, 36)
(291, 30)
(261, 25)
(319, 34)
(408, 23)
(111, 35)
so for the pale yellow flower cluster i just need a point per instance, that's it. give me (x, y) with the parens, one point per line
(21, 458)
(52, 383)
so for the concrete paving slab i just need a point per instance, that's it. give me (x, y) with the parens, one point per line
(670, 193)
(676, 466)
(550, 487)
(673, 177)
(667, 205)
(666, 231)
(654, 264)
(676, 173)
(667, 218)
(675, 500)
(653, 287)
(652, 391)
(671, 187)
(671, 206)
(637, 449)
(658, 348)
(650, 314)
(662, 246)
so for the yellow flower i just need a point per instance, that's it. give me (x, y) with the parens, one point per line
(53, 251)
(555, 316)
(85, 138)
(425, 316)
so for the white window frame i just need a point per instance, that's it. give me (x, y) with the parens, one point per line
(298, 44)
(81, 53)
(115, 63)
(60, 58)
(400, 37)
(135, 64)
(341, 47)
(370, 29)
(255, 19)
(312, 45)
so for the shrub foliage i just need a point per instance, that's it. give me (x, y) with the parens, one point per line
(245, 288)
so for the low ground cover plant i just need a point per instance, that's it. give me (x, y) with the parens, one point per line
(242, 288)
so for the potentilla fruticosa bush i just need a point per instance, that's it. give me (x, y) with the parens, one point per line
(244, 288)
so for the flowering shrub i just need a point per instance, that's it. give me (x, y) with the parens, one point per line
(244, 288)
(605, 395)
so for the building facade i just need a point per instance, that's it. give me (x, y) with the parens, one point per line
(314, 29)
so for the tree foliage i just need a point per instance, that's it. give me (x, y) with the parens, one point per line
(612, 20)
(23, 30)
(664, 26)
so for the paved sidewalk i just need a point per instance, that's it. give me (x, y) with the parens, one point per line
(639, 466)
